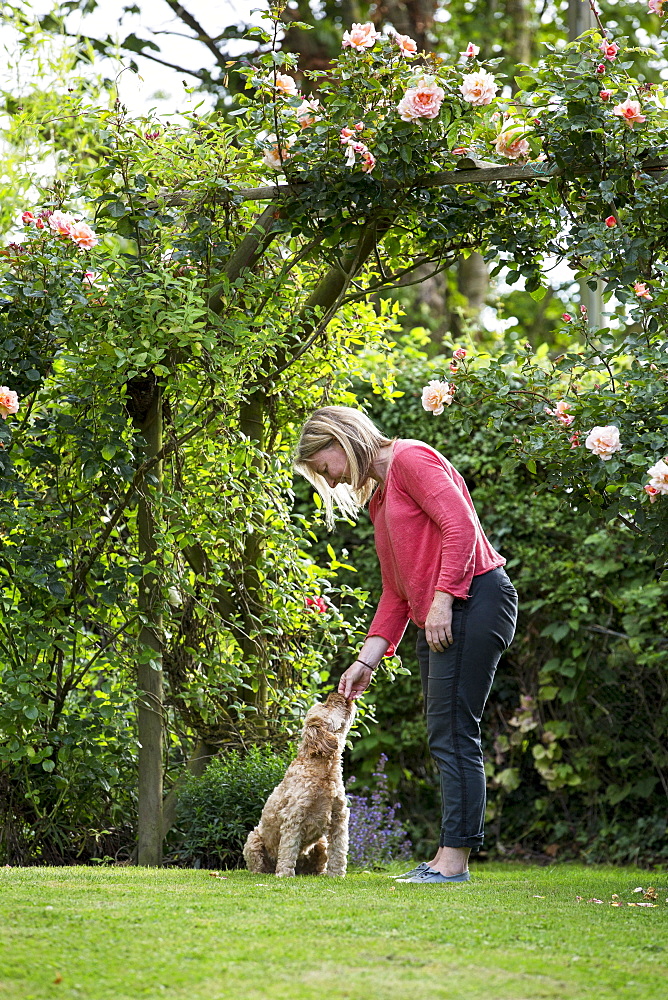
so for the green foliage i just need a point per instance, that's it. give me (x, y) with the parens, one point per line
(218, 811)
(573, 729)
(163, 372)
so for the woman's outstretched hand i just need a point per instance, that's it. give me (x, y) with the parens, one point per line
(355, 680)
(438, 625)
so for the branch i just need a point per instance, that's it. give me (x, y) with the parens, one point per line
(198, 74)
(445, 178)
(202, 35)
(247, 253)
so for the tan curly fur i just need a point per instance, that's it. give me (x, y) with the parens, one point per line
(303, 829)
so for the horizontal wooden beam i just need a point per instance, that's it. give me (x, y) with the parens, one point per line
(469, 171)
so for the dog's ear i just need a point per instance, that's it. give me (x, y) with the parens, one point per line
(319, 741)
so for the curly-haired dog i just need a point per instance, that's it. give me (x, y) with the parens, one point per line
(304, 824)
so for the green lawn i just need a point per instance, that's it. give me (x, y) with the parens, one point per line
(514, 932)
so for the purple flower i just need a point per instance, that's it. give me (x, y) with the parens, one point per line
(376, 835)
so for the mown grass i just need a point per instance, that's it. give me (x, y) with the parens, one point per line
(513, 933)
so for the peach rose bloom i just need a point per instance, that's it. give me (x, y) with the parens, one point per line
(272, 156)
(436, 396)
(479, 88)
(407, 46)
(61, 222)
(422, 101)
(84, 237)
(630, 112)
(604, 441)
(307, 113)
(659, 476)
(511, 143)
(360, 37)
(286, 85)
(9, 402)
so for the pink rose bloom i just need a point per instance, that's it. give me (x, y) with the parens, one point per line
(605, 95)
(600, 68)
(656, 7)
(9, 402)
(574, 439)
(346, 133)
(369, 161)
(658, 476)
(479, 88)
(566, 317)
(560, 413)
(436, 396)
(471, 51)
(609, 50)
(460, 151)
(84, 237)
(611, 222)
(511, 143)
(422, 101)
(27, 218)
(407, 46)
(459, 353)
(653, 493)
(640, 288)
(286, 85)
(604, 441)
(630, 112)
(307, 113)
(359, 126)
(360, 37)
(61, 222)
(317, 603)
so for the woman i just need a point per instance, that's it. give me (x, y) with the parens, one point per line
(439, 570)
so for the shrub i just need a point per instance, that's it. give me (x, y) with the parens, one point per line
(377, 836)
(219, 809)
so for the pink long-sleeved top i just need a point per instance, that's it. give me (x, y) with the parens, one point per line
(428, 538)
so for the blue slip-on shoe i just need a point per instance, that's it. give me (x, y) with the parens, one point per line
(431, 877)
(423, 866)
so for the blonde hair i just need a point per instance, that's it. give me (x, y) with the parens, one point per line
(361, 441)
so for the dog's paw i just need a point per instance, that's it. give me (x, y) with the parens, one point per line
(285, 874)
(336, 874)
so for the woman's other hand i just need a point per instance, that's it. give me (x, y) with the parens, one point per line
(355, 680)
(438, 626)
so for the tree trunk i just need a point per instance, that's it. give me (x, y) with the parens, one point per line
(473, 280)
(149, 679)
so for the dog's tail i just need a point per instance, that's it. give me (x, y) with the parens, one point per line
(319, 741)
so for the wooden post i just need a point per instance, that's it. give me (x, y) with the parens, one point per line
(149, 675)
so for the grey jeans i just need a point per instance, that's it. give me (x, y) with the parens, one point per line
(455, 686)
